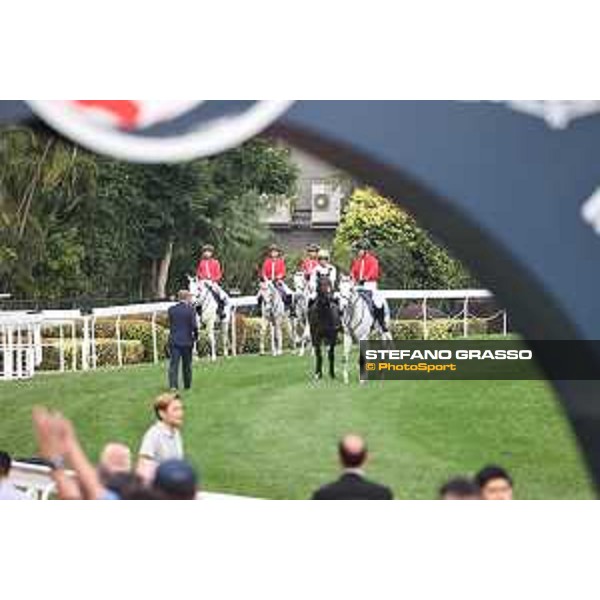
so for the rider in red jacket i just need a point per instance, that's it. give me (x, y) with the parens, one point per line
(209, 269)
(208, 266)
(310, 261)
(274, 266)
(365, 272)
(365, 268)
(274, 270)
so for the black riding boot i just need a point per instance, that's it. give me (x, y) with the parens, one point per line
(290, 305)
(220, 309)
(380, 317)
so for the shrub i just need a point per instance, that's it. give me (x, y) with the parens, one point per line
(247, 337)
(408, 255)
(131, 329)
(134, 329)
(437, 329)
(106, 353)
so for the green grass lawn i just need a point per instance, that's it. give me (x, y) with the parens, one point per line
(258, 426)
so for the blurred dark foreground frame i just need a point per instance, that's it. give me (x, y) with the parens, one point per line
(506, 192)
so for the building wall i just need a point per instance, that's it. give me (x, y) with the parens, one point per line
(299, 231)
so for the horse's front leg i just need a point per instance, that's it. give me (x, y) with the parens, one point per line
(279, 337)
(303, 338)
(213, 341)
(346, 358)
(318, 361)
(225, 337)
(331, 356)
(273, 339)
(197, 343)
(263, 332)
(292, 326)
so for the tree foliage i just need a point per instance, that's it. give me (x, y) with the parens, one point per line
(75, 224)
(409, 257)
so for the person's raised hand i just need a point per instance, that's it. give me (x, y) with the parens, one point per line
(48, 440)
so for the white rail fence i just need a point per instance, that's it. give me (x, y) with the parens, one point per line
(22, 343)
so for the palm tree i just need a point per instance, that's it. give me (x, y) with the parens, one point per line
(43, 180)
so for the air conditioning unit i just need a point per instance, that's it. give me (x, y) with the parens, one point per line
(326, 202)
(277, 212)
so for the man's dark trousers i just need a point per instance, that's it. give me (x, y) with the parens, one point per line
(183, 354)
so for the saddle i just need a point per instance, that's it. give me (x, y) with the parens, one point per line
(221, 302)
(215, 294)
(378, 314)
(367, 295)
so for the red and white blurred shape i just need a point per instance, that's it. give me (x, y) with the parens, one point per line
(132, 114)
(110, 126)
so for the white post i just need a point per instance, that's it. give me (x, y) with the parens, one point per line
(233, 331)
(74, 345)
(37, 340)
(8, 353)
(3, 351)
(30, 365)
(424, 309)
(93, 342)
(85, 347)
(61, 348)
(154, 339)
(505, 324)
(466, 317)
(118, 334)
(19, 353)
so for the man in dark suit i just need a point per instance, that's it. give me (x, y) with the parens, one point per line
(353, 485)
(182, 337)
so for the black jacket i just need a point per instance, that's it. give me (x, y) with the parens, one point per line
(352, 486)
(182, 324)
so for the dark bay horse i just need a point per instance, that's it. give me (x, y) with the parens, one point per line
(324, 323)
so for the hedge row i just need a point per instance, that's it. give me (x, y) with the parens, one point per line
(437, 329)
(137, 344)
(131, 329)
(106, 353)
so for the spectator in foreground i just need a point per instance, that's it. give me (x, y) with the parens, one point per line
(353, 485)
(460, 488)
(163, 440)
(176, 480)
(114, 466)
(59, 446)
(183, 333)
(7, 490)
(494, 483)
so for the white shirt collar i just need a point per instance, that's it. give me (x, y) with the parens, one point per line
(355, 471)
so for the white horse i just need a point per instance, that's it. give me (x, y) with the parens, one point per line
(207, 310)
(358, 321)
(300, 321)
(273, 315)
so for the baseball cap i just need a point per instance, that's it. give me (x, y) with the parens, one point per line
(176, 479)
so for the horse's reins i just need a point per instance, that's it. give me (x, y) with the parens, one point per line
(270, 301)
(351, 310)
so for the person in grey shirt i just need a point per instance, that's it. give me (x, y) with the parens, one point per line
(7, 490)
(162, 441)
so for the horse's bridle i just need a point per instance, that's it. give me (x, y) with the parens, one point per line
(349, 310)
(269, 295)
(202, 295)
